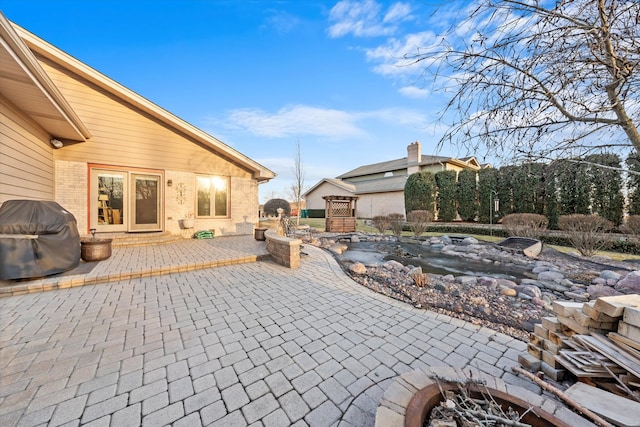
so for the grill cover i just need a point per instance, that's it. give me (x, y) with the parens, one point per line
(37, 238)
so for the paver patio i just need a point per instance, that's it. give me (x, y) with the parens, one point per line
(244, 344)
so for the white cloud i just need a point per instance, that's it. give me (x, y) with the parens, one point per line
(282, 22)
(414, 92)
(294, 121)
(300, 120)
(398, 12)
(394, 59)
(366, 18)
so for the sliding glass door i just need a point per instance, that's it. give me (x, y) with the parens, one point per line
(122, 200)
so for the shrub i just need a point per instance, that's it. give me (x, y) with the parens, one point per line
(587, 233)
(419, 192)
(420, 279)
(396, 223)
(271, 207)
(447, 187)
(467, 194)
(525, 225)
(632, 228)
(419, 221)
(632, 225)
(381, 223)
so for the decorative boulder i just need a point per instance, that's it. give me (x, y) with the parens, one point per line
(630, 284)
(358, 268)
(597, 291)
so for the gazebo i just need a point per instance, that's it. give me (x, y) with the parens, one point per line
(340, 213)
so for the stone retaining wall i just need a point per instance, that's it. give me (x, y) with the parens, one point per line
(283, 250)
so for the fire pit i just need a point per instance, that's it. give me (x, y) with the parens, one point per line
(427, 399)
(410, 398)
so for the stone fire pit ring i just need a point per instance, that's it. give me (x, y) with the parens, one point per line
(403, 403)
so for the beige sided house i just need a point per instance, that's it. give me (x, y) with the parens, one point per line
(114, 159)
(380, 186)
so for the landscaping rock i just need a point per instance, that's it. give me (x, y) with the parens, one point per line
(598, 290)
(629, 284)
(610, 275)
(358, 268)
(469, 241)
(393, 265)
(530, 290)
(467, 280)
(552, 276)
(488, 282)
(338, 248)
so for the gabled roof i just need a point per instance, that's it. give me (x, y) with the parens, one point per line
(65, 60)
(335, 182)
(24, 82)
(394, 165)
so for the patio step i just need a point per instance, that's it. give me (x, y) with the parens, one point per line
(144, 239)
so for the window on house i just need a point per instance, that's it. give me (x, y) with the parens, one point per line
(213, 196)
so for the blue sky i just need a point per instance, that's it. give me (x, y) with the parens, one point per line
(263, 75)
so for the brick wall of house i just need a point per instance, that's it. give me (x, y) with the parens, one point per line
(71, 191)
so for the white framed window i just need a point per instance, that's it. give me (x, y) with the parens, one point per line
(212, 196)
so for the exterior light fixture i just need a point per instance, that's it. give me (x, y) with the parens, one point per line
(169, 182)
(56, 143)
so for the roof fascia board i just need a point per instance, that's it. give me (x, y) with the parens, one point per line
(83, 70)
(27, 61)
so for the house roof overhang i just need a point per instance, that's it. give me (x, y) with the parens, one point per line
(335, 182)
(46, 50)
(26, 85)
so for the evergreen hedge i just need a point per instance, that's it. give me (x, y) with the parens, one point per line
(467, 194)
(447, 191)
(419, 192)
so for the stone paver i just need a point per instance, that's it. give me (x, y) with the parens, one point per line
(238, 344)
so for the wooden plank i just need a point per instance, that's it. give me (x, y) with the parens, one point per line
(549, 359)
(536, 340)
(529, 362)
(580, 373)
(557, 337)
(551, 324)
(624, 340)
(535, 351)
(572, 326)
(584, 320)
(590, 310)
(608, 348)
(632, 316)
(541, 331)
(566, 308)
(614, 306)
(616, 409)
(629, 331)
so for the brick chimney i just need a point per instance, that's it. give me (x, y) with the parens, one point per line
(414, 156)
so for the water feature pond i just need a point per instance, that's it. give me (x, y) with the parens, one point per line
(431, 260)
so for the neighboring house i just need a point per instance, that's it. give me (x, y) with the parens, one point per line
(380, 186)
(114, 159)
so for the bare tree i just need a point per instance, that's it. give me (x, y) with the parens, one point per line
(297, 188)
(533, 78)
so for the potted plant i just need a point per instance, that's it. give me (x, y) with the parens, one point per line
(188, 221)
